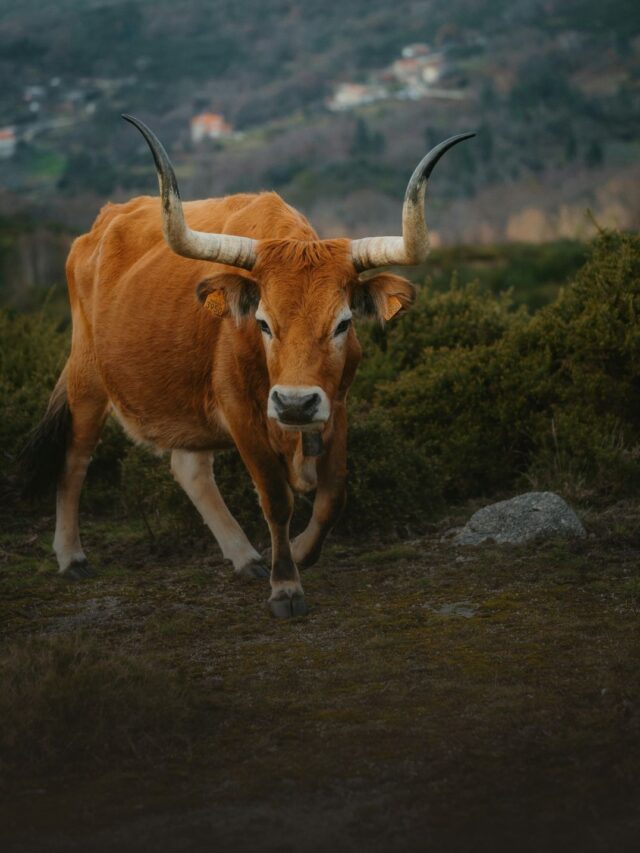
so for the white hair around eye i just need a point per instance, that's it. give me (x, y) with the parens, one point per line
(341, 324)
(264, 324)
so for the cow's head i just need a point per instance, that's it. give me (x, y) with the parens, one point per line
(300, 299)
(301, 295)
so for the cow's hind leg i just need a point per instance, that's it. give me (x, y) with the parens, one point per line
(88, 405)
(194, 472)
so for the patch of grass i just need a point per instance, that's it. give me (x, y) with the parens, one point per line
(390, 555)
(66, 701)
(46, 164)
(176, 626)
(631, 591)
(526, 707)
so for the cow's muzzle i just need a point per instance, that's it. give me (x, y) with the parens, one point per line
(298, 407)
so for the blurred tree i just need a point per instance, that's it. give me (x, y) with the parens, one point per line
(484, 143)
(366, 141)
(594, 155)
(570, 145)
(488, 95)
(86, 170)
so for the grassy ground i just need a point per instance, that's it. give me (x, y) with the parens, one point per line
(435, 697)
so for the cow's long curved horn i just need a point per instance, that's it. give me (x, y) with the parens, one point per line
(222, 248)
(413, 246)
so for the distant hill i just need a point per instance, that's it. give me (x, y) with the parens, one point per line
(552, 88)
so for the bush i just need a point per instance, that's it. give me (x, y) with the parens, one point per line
(591, 336)
(555, 397)
(391, 480)
(447, 407)
(463, 317)
(32, 356)
(533, 273)
(467, 395)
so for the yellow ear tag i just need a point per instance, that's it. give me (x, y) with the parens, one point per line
(393, 306)
(215, 302)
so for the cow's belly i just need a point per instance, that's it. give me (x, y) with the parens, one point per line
(163, 434)
(156, 368)
(164, 409)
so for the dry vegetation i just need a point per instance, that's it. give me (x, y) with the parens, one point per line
(462, 697)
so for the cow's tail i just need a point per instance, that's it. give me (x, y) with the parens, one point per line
(41, 461)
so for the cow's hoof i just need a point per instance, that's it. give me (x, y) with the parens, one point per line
(286, 607)
(254, 569)
(78, 570)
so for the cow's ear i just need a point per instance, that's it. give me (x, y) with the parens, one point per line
(384, 296)
(229, 293)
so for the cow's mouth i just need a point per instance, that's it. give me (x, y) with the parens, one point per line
(294, 425)
(299, 408)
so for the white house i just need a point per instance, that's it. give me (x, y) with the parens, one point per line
(349, 95)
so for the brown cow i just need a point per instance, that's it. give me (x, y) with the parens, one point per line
(245, 340)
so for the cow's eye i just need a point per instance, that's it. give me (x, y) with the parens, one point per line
(264, 327)
(342, 327)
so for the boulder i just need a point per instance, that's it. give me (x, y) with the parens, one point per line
(534, 515)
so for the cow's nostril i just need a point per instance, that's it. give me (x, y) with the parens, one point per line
(277, 400)
(310, 403)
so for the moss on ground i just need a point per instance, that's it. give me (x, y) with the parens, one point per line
(492, 688)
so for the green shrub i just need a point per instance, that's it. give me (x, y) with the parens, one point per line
(466, 395)
(465, 316)
(533, 273)
(555, 397)
(34, 349)
(33, 352)
(391, 480)
(447, 407)
(591, 335)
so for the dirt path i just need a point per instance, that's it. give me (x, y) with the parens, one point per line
(434, 698)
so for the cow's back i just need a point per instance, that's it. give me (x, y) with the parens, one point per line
(130, 234)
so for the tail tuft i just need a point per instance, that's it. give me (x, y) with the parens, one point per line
(42, 459)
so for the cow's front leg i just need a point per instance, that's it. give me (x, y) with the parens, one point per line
(276, 499)
(330, 494)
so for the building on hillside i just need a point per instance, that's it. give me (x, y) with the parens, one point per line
(411, 51)
(349, 95)
(209, 126)
(8, 142)
(407, 71)
(412, 76)
(34, 93)
(418, 70)
(432, 68)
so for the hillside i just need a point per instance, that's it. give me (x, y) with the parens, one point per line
(552, 89)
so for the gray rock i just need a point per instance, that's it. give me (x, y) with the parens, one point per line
(534, 515)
